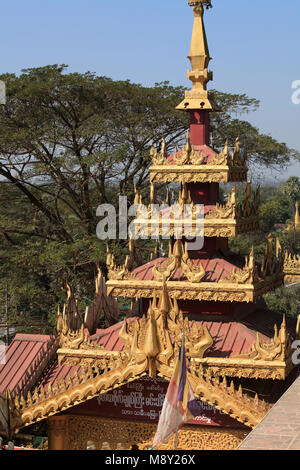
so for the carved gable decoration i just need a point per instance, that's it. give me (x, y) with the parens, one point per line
(178, 258)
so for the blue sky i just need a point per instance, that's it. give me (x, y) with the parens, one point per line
(255, 47)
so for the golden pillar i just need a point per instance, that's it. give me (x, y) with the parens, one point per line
(58, 432)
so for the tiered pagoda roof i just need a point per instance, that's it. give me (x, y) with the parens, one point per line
(209, 277)
(219, 220)
(198, 164)
(209, 294)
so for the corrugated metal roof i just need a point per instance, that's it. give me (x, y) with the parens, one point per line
(20, 356)
(231, 336)
(216, 267)
(109, 338)
(59, 373)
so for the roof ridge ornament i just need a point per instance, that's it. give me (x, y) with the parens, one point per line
(179, 258)
(195, 3)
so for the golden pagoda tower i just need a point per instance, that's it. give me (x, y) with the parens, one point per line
(107, 385)
(210, 285)
(291, 266)
(210, 274)
(296, 225)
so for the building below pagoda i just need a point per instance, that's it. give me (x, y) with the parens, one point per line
(108, 387)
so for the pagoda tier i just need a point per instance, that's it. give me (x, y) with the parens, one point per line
(209, 220)
(198, 164)
(291, 266)
(209, 277)
(291, 269)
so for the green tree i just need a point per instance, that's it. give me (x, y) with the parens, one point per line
(285, 300)
(291, 190)
(291, 241)
(262, 150)
(275, 210)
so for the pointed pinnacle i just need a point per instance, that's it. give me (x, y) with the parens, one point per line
(225, 150)
(164, 301)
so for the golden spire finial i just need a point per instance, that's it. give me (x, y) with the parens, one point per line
(283, 332)
(298, 327)
(136, 196)
(199, 57)
(199, 52)
(297, 217)
(164, 300)
(151, 347)
(152, 193)
(60, 322)
(278, 247)
(225, 150)
(108, 256)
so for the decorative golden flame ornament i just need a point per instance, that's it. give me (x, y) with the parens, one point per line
(194, 3)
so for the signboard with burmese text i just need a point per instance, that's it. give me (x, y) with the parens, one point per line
(142, 401)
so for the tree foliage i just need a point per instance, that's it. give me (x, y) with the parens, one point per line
(290, 189)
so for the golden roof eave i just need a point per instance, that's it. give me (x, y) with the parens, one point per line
(218, 394)
(247, 368)
(241, 285)
(205, 291)
(231, 367)
(197, 174)
(291, 264)
(34, 411)
(189, 165)
(74, 357)
(212, 227)
(185, 218)
(292, 278)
